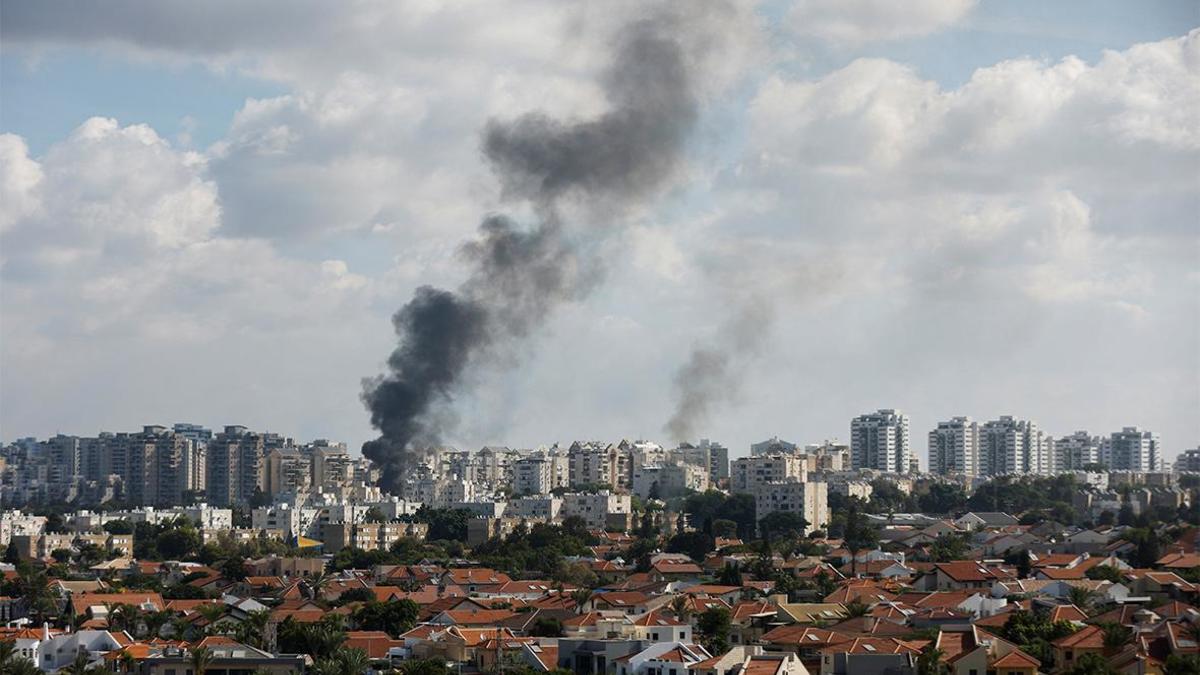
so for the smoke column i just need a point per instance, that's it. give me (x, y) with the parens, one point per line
(520, 274)
(713, 372)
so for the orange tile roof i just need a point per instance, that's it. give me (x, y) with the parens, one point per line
(374, 643)
(1016, 659)
(479, 617)
(969, 570)
(1088, 637)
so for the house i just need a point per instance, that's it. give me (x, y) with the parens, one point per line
(869, 655)
(58, 651)
(670, 570)
(984, 520)
(1087, 640)
(227, 656)
(659, 626)
(730, 661)
(805, 642)
(662, 658)
(750, 620)
(966, 574)
(812, 612)
(974, 651)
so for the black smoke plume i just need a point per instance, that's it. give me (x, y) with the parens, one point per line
(520, 274)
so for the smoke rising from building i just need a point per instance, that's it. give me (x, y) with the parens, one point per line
(519, 274)
(713, 372)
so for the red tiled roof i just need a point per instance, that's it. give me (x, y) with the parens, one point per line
(1016, 659)
(968, 570)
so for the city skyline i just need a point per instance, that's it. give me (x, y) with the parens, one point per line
(1089, 438)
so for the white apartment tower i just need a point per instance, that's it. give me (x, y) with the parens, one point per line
(1132, 449)
(879, 441)
(1072, 453)
(954, 447)
(1011, 446)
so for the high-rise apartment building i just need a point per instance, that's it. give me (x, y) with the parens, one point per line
(236, 461)
(1074, 452)
(954, 447)
(879, 441)
(1188, 460)
(1011, 446)
(1132, 449)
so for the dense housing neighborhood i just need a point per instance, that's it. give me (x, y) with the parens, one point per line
(179, 551)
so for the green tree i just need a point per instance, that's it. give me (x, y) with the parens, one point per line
(1081, 597)
(1104, 572)
(948, 547)
(1182, 664)
(930, 660)
(697, 545)
(859, 535)
(782, 524)
(856, 608)
(943, 498)
(730, 575)
(546, 626)
(425, 667)
(1091, 664)
(234, 568)
(713, 626)
(393, 618)
(1033, 632)
(118, 527)
(200, 658)
(1115, 635)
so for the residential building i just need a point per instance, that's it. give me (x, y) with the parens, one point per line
(597, 509)
(1012, 446)
(747, 473)
(809, 500)
(1188, 460)
(879, 441)
(1132, 449)
(1072, 453)
(954, 447)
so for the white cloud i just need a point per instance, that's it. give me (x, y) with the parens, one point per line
(20, 180)
(854, 22)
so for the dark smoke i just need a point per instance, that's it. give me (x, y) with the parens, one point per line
(713, 372)
(520, 275)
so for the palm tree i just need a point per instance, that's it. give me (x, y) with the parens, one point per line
(252, 629)
(20, 666)
(581, 596)
(353, 662)
(855, 608)
(1081, 597)
(40, 601)
(930, 661)
(680, 607)
(1116, 635)
(316, 584)
(127, 662)
(8, 650)
(200, 658)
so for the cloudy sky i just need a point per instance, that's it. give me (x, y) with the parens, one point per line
(209, 212)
